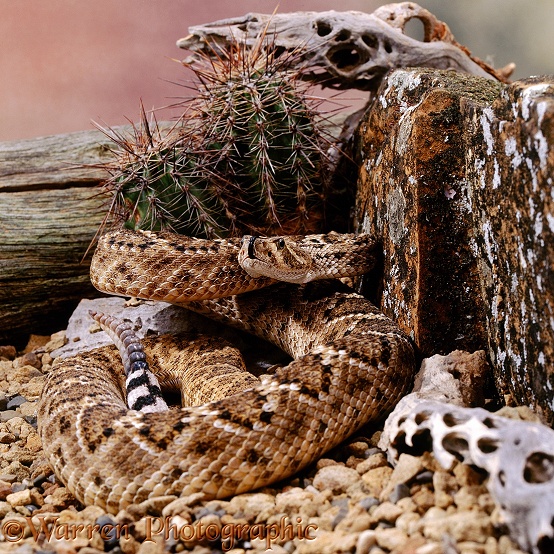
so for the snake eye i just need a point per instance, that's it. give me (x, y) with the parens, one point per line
(281, 244)
(251, 241)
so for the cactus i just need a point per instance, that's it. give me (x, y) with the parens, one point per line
(248, 154)
(155, 185)
(260, 131)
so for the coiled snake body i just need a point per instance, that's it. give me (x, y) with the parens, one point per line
(351, 365)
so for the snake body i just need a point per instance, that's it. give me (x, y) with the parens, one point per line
(351, 365)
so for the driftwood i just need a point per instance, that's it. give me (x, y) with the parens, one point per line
(50, 211)
(347, 49)
(517, 456)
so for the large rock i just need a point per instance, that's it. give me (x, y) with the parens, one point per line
(456, 177)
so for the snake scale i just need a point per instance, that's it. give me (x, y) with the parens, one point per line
(351, 364)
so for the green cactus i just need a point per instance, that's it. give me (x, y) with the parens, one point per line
(260, 131)
(248, 155)
(155, 185)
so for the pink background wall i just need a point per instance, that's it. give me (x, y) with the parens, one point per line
(64, 63)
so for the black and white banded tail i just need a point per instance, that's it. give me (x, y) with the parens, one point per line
(143, 389)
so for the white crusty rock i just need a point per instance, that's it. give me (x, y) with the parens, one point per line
(84, 334)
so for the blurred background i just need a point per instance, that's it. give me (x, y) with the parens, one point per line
(64, 63)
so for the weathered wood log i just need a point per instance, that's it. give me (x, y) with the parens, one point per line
(50, 210)
(456, 177)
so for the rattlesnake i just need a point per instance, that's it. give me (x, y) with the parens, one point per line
(351, 365)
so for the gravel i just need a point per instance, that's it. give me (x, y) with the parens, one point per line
(351, 500)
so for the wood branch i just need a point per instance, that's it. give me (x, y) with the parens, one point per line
(50, 210)
(56, 161)
(345, 49)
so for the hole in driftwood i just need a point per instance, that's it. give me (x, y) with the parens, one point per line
(487, 445)
(539, 468)
(488, 422)
(278, 51)
(456, 445)
(415, 29)
(546, 544)
(421, 442)
(422, 416)
(343, 35)
(323, 28)
(371, 78)
(345, 58)
(450, 419)
(370, 41)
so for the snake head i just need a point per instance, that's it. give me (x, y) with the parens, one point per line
(280, 258)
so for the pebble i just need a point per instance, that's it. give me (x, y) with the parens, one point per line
(467, 476)
(5, 508)
(400, 491)
(368, 502)
(15, 402)
(5, 489)
(33, 388)
(61, 498)
(328, 542)
(16, 487)
(57, 340)
(8, 352)
(467, 497)
(366, 541)
(355, 520)
(29, 359)
(31, 420)
(6, 437)
(375, 480)
(390, 538)
(336, 478)
(424, 477)
(6, 415)
(210, 511)
(445, 486)
(359, 449)
(407, 521)
(373, 461)
(28, 410)
(386, 512)
(22, 378)
(254, 507)
(461, 526)
(109, 530)
(430, 548)
(19, 498)
(424, 499)
(405, 470)
(296, 500)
